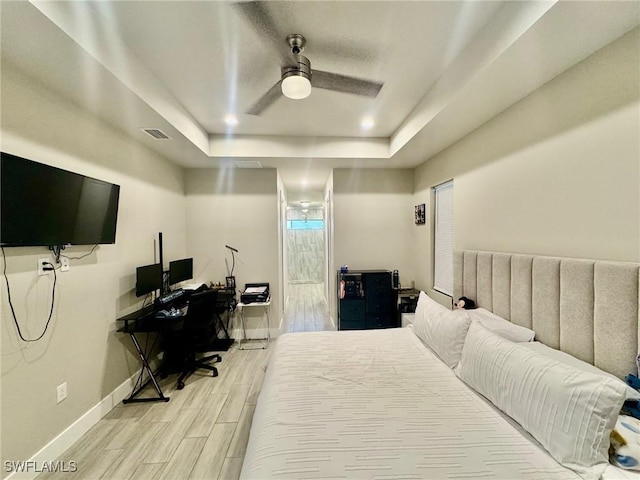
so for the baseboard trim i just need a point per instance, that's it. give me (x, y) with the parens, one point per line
(56, 447)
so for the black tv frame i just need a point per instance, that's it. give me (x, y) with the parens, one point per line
(47, 206)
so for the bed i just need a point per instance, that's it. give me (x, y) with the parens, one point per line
(381, 404)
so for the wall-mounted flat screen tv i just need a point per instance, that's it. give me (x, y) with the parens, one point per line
(42, 205)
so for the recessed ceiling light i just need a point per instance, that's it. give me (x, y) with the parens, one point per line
(304, 183)
(367, 123)
(231, 120)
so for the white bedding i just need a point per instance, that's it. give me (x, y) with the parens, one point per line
(379, 404)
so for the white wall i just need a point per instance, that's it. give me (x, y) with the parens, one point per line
(283, 275)
(373, 220)
(556, 174)
(81, 346)
(330, 277)
(239, 208)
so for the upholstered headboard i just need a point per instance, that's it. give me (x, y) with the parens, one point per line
(587, 308)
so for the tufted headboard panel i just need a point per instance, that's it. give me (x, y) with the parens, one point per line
(587, 308)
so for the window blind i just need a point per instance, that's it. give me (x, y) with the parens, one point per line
(443, 244)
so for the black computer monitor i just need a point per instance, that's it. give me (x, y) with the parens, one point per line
(180, 270)
(148, 279)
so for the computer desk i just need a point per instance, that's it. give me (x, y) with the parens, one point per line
(144, 321)
(226, 303)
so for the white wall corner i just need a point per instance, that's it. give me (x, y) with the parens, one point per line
(56, 447)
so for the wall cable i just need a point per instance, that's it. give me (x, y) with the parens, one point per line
(13, 312)
(83, 256)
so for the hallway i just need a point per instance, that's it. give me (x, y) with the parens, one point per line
(306, 309)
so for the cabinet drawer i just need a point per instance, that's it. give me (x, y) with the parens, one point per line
(352, 324)
(352, 309)
(381, 321)
(376, 283)
(378, 306)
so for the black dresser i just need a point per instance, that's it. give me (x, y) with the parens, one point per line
(366, 299)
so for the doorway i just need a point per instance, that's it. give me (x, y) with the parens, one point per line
(306, 308)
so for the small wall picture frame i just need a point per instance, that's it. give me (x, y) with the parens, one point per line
(420, 215)
(231, 282)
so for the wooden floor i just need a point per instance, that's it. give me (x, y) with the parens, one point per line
(202, 432)
(306, 309)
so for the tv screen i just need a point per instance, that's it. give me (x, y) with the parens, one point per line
(148, 279)
(180, 270)
(47, 206)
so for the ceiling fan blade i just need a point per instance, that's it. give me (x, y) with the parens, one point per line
(343, 83)
(266, 100)
(257, 14)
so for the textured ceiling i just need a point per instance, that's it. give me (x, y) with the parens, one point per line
(183, 66)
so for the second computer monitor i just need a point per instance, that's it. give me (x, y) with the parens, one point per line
(180, 270)
(148, 279)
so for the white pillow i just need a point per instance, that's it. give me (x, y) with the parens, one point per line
(501, 326)
(440, 329)
(564, 357)
(569, 411)
(423, 299)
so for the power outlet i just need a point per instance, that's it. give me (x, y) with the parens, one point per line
(42, 264)
(64, 264)
(61, 392)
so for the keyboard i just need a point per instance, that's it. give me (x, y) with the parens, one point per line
(171, 297)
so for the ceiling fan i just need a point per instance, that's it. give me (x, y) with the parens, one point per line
(297, 77)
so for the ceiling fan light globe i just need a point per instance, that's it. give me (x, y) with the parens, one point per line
(296, 87)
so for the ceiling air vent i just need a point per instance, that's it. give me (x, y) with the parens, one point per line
(248, 164)
(156, 133)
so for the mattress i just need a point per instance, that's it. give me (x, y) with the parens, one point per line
(378, 404)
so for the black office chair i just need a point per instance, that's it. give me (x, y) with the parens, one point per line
(199, 334)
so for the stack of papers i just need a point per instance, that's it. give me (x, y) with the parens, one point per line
(255, 290)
